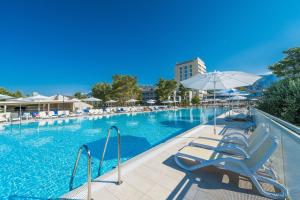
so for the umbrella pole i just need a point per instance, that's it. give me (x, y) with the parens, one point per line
(20, 112)
(215, 105)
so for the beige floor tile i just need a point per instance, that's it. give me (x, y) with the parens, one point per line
(124, 191)
(103, 194)
(149, 173)
(139, 182)
(146, 197)
(158, 192)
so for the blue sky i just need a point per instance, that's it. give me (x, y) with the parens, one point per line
(61, 46)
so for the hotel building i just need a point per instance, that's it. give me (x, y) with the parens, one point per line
(187, 69)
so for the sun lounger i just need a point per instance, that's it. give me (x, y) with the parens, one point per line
(26, 116)
(230, 146)
(248, 167)
(52, 114)
(43, 115)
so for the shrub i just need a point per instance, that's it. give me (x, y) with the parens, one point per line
(196, 100)
(282, 99)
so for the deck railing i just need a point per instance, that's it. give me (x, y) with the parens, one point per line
(286, 159)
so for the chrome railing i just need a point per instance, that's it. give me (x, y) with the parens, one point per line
(89, 177)
(119, 153)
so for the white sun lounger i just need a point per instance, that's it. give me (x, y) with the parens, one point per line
(248, 167)
(230, 146)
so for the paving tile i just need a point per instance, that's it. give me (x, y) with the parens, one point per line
(103, 194)
(139, 182)
(158, 192)
(124, 191)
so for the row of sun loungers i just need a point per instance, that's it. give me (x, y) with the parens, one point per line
(11, 117)
(244, 154)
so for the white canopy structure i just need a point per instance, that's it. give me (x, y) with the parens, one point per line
(232, 92)
(219, 81)
(37, 98)
(237, 98)
(5, 97)
(60, 97)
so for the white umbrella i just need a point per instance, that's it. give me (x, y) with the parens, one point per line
(5, 97)
(91, 99)
(219, 81)
(151, 101)
(167, 101)
(131, 101)
(111, 101)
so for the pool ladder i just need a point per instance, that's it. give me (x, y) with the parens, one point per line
(89, 177)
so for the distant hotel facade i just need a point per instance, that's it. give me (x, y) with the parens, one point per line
(187, 69)
(148, 93)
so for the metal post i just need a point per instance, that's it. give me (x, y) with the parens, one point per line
(119, 153)
(89, 177)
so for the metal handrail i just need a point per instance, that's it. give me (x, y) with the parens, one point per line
(89, 177)
(119, 153)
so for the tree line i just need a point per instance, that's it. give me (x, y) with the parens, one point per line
(282, 99)
(125, 87)
(16, 94)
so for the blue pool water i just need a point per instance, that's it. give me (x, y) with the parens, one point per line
(36, 159)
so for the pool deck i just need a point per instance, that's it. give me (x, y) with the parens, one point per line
(154, 175)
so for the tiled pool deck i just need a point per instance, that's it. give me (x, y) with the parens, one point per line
(154, 175)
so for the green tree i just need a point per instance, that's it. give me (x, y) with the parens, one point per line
(282, 100)
(196, 100)
(183, 92)
(289, 67)
(102, 91)
(79, 95)
(125, 87)
(165, 88)
(16, 94)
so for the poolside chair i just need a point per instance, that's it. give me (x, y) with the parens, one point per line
(248, 167)
(52, 114)
(91, 112)
(3, 117)
(26, 116)
(231, 146)
(43, 115)
(15, 117)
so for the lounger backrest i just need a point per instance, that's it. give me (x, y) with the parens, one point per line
(257, 138)
(262, 154)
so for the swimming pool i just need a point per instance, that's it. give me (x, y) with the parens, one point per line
(36, 159)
